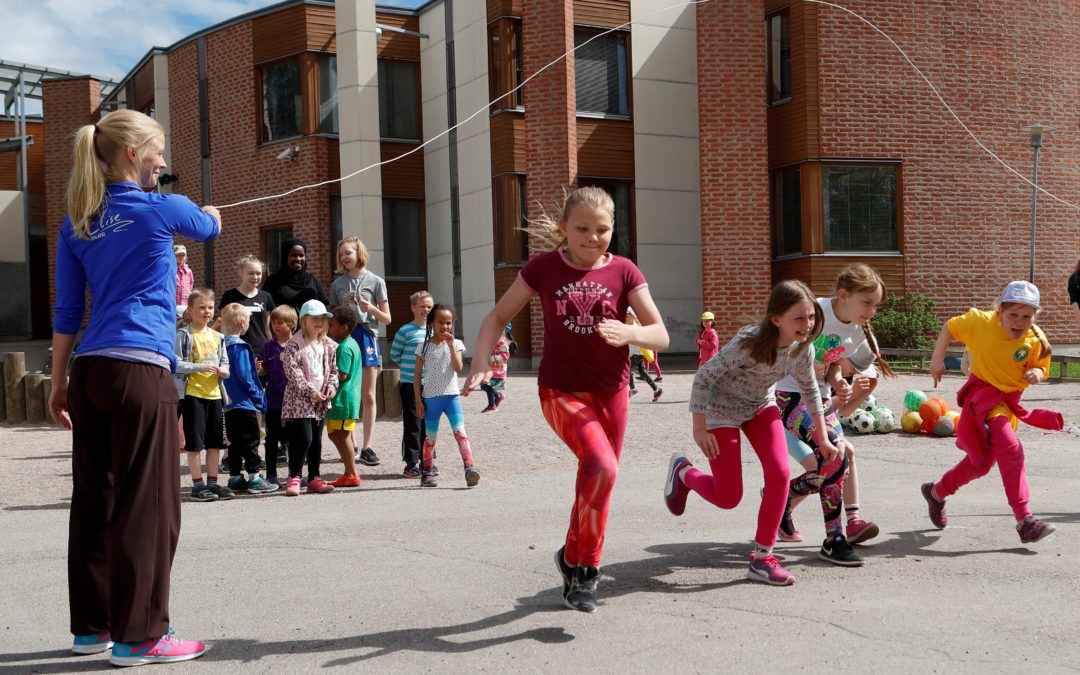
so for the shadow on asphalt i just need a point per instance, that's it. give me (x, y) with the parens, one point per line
(916, 544)
(619, 579)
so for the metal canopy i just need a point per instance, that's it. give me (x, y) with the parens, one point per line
(34, 75)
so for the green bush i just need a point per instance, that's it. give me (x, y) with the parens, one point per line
(906, 322)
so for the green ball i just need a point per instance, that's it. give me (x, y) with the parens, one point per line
(913, 399)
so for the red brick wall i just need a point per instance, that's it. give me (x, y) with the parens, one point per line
(66, 106)
(240, 168)
(735, 243)
(550, 114)
(1001, 64)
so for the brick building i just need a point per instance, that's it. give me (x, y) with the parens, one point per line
(744, 141)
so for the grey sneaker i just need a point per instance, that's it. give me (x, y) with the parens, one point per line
(223, 493)
(203, 493)
(428, 480)
(261, 487)
(1033, 530)
(368, 457)
(472, 476)
(582, 594)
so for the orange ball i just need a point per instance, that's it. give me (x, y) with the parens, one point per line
(928, 425)
(929, 412)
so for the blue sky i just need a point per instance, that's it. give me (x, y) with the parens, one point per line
(106, 38)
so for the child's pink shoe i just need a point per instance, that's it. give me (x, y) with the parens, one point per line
(292, 488)
(166, 649)
(319, 486)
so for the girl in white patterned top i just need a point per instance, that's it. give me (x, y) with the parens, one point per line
(733, 391)
(438, 361)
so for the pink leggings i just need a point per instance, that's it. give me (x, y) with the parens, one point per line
(1002, 447)
(724, 487)
(592, 425)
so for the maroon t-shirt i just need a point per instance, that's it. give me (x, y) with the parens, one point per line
(574, 301)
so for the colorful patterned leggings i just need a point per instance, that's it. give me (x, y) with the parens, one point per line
(592, 425)
(827, 480)
(724, 488)
(434, 408)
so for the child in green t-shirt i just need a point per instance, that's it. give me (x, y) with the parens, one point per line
(345, 408)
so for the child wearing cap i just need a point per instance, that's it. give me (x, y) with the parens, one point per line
(310, 364)
(708, 342)
(1008, 354)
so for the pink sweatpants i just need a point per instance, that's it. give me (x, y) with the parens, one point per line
(592, 425)
(1004, 448)
(724, 487)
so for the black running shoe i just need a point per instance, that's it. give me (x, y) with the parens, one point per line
(565, 571)
(582, 594)
(368, 457)
(223, 493)
(839, 552)
(202, 493)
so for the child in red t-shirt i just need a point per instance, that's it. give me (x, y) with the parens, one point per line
(585, 293)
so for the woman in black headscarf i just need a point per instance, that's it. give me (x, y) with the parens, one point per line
(292, 284)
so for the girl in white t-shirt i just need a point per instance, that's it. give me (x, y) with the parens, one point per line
(847, 348)
(438, 361)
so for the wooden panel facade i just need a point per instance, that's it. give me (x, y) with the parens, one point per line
(35, 158)
(522, 330)
(333, 162)
(140, 88)
(498, 8)
(394, 45)
(605, 148)
(274, 36)
(820, 271)
(794, 124)
(398, 293)
(607, 13)
(507, 143)
(321, 23)
(405, 177)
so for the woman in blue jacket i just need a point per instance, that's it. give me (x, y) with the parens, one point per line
(119, 401)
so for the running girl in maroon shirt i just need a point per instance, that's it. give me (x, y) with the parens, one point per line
(585, 293)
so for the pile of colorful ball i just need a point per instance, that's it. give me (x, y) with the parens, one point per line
(870, 418)
(928, 414)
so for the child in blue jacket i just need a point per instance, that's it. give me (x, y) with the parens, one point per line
(245, 401)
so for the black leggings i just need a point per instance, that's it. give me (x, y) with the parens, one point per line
(305, 439)
(637, 362)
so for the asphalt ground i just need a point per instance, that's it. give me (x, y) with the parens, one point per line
(390, 577)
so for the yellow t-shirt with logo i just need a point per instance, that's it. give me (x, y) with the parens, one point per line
(996, 358)
(204, 349)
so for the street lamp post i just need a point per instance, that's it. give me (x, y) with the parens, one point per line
(1036, 131)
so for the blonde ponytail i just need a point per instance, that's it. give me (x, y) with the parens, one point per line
(544, 233)
(98, 149)
(86, 187)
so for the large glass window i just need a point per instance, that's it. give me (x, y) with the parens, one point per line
(505, 63)
(402, 234)
(328, 104)
(511, 242)
(600, 68)
(622, 239)
(860, 208)
(282, 108)
(273, 238)
(399, 109)
(786, 212)
(779, 57)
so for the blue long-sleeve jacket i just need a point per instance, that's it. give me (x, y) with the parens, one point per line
(129, 266)
(243, 386)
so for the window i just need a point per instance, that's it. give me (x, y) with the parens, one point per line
(779, 57)
(505, 63)
(511, 242)
(273, 237)
(622, 239)
(399, 116)
(786, 212)
(600, 68)
(328, 104)
(281, 100)
(402, 234)
(860, 208)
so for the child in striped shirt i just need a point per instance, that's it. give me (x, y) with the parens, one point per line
(403, 352)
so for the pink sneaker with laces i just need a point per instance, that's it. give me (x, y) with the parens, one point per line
(167, 649)
(767, 569)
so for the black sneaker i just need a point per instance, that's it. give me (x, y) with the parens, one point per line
(368, 457)
(223, 465)
(787, 526)
(565, 571)
(839, 552)
(428, 480)
(238, 484)
(223, 493)
(582, 593)
(202, 493)
(658, 378)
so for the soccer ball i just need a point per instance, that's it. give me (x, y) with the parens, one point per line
(869, 404)
(884, 421)
(862, 422)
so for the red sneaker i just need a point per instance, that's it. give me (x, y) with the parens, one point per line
(344, 481)
(859, 530)
(936, 507)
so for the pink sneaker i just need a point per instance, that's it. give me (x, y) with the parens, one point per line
(166, 649)
(675, 492)
(767, 570)
(1033, 530)
(318, 486)
(292, 488)
(859, 530)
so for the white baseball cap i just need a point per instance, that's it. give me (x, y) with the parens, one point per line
(178, 249)
(1022, 292)
(314, 308)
